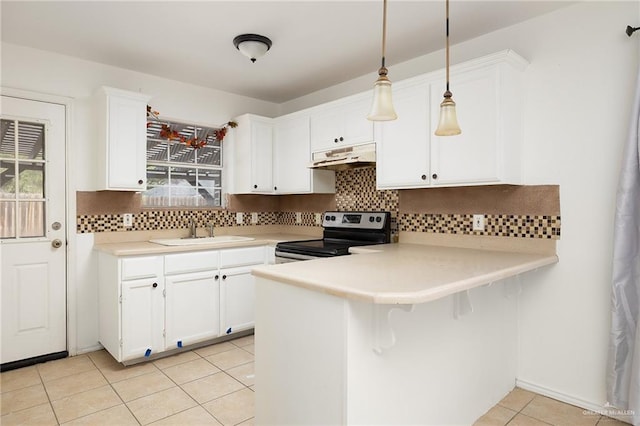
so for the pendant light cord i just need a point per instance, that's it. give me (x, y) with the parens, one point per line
(384, 30)
(447, 41)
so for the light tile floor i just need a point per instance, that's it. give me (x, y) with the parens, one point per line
(207, 386)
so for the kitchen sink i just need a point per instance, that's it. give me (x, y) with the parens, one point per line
(199, 241)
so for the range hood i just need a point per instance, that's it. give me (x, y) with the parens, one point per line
(345, 158)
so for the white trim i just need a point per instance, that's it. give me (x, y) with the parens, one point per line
(560, 396)
(70, 205)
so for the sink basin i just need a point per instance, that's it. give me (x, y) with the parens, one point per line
(199, 241)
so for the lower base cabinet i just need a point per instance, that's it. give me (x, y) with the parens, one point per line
(151, 304)
(191, 308)
(237, 293)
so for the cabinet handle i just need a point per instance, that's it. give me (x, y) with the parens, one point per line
(224, 277)
(435, 176)
(217, 277)
(154, 285)
(335, 140)
(255, 186)
(275, 188)
(341, 138)
(424, 177)
(140, 182)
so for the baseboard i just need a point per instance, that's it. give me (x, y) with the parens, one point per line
(94, 348)
(589, 406)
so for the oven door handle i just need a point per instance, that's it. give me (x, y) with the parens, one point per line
(294, 256)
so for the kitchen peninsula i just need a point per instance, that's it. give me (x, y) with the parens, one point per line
(398, 334)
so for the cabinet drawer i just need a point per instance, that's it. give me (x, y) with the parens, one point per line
(191, 262)
(141, 267)
(242, 256)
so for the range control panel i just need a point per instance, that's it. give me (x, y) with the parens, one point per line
(360, 220)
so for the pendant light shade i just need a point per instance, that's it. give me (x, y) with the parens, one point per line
(253, 46)
(382, 106)
(448, 124)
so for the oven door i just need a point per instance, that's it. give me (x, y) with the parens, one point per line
(284, 257)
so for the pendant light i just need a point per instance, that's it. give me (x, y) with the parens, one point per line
(448, 124)
(382, 107)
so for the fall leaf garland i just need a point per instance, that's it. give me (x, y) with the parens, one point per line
(167, 133)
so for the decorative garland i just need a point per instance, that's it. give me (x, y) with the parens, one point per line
(195, 143)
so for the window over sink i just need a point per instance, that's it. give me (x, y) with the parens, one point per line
(179, 175)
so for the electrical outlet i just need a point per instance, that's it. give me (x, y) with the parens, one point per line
(127, 220)
(239, 218)
(318, 218)
(298, 217)
(254, 218)
(478, 222)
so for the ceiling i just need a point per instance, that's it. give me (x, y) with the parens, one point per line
(316, 44)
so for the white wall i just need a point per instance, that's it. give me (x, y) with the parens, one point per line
(579, 90)
(51, 73)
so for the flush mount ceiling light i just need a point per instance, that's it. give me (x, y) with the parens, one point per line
(382, 107)
(448, 125)
(253, 46)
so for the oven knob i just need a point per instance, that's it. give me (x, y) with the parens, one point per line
(333, 218)
(378, 219)
(371, 219)
(327, 218)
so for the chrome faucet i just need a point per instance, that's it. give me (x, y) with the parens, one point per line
(192, 229)
(210, 225)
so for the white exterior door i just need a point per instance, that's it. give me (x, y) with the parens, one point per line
(32, 229)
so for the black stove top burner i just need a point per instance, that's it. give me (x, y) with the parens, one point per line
(341, 231)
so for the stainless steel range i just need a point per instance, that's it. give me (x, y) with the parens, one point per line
(341, 231)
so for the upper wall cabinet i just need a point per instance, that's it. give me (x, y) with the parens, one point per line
(253, 155)
(488, 97)
(271, 157)
(121, 118)
(292, 155)
(341, 123)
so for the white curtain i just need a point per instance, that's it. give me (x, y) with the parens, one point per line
(623, 369)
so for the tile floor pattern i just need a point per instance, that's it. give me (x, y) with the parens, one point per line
(207, 386)
(212, 385)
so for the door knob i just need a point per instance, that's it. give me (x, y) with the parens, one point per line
(57, 243)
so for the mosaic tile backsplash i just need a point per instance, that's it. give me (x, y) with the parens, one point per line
(355, 190)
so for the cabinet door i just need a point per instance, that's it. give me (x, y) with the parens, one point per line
(262, 156)
(142, 317)
(238, 299)
(403, 149)
(341, 124)
(473, 156)
(126, 143)
(292, 156)
(192, 308)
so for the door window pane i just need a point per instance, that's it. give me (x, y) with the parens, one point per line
(31, 180)
(7, 219)
(7, 179)
(7, 139)
(31, 218)
(31, 140)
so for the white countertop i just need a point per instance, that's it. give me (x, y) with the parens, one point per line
(136, 248)
(404, 273)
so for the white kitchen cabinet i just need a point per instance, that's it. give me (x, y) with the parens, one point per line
(237, 289)
(488, 97)
(292, 155)
(151, 304)
(342, 123)
(131, 306)
(120, 125)
(253, 155)
(402, 152)
(192, 298)
(192, 308)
